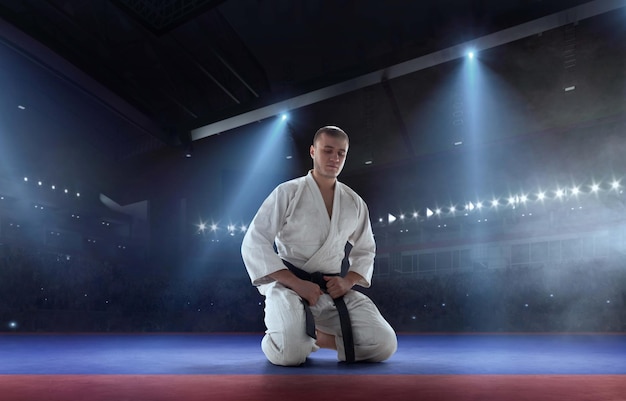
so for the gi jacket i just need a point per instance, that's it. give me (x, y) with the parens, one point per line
(295, 219)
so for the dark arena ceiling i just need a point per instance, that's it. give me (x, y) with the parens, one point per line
(114, 92)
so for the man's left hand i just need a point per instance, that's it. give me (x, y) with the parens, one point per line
(337, 286)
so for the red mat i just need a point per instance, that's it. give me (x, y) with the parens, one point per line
(312, 387)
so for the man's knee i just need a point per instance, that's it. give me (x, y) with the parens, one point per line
(387, 346)
(283, 351)
(382, 348)
(285, 342)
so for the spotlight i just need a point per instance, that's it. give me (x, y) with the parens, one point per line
(284, 116)
(470, 55)
(186, 143)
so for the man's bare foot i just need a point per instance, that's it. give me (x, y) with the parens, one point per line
(325, 340)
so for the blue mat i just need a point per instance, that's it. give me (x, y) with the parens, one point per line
(241, 354)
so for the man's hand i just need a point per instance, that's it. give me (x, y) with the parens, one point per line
(337, 286)
(307, 290)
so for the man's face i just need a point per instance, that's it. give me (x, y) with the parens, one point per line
(329, 155)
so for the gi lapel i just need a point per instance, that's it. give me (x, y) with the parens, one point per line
(319, 258)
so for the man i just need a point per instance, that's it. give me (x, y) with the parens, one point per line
(310, 219)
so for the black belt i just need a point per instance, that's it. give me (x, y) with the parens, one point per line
(342, 309)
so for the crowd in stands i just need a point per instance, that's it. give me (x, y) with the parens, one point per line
(574, 297)
(53, 292)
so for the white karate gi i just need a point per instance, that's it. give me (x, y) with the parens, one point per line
(294, 217)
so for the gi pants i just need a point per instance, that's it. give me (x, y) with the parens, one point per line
(286, 342)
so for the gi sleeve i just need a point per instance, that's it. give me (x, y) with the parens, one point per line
(363, 246)
(257, 248)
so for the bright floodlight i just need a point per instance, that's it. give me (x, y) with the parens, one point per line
(559, 193)
(213, 227)
(284, 116)
(575, 191)
(494, 202)
(595, 188)
(429, 212)
(523, 198)
(391, 218)
(438, 211)
(615, 184)
(201, 227)
(470, 55)
(541, 196)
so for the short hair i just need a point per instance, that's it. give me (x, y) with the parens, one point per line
(333, 131)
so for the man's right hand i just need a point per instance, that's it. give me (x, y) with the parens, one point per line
(307, 290)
